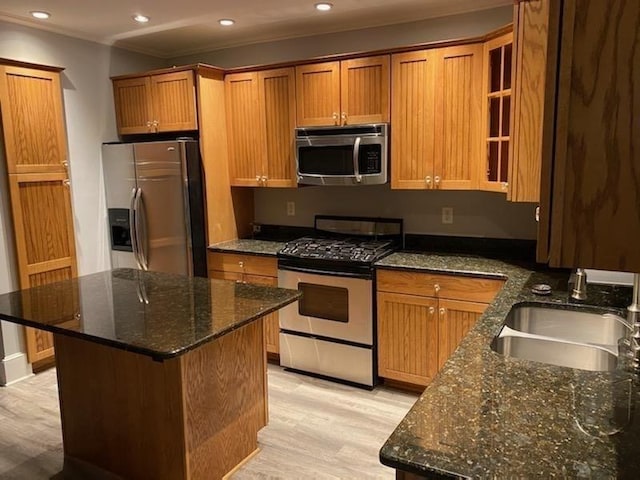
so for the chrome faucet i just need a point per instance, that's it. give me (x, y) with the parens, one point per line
(578, 284)
(633, 318)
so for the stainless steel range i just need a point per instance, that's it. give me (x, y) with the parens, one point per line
(331, 331)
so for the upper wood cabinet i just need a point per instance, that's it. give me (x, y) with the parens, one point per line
(163, 102)
(39, 189)
(260, 122)
(496, 111)
(340, 93)
(33, 123)
(590, 196)
(536, 26)
(436, 105)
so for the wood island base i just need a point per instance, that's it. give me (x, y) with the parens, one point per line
(194, 416)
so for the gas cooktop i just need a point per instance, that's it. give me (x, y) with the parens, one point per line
(345, 249)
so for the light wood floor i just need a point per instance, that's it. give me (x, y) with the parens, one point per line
(317, 429)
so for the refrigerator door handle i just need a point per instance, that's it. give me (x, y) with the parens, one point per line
(140, 232)
(132, 226)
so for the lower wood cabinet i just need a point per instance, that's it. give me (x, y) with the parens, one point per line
(236, 267)
(417, 333)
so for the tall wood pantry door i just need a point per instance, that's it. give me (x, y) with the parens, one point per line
(36, 155)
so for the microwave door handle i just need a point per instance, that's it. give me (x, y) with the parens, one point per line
(356, 156)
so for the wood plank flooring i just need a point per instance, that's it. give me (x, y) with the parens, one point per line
(317, 429)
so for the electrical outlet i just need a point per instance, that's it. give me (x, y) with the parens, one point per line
(447, 215)
(291, 209)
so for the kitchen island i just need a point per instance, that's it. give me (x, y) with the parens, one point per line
(160, 376)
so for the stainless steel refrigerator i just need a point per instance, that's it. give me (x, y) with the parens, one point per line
(155, 205)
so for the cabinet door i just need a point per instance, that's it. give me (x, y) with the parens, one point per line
(595, 220)
(455, 319)
(364, 90)
(45, 242)
(174, 101)
(536, 30)
(271, 321)
(458, 120)
(246, 150)
(33, 123)
(496, 112)
(413, 115)
(132, 98)
(407, 338)
(277, 104)
(318, 94)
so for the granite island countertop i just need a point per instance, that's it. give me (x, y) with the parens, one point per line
(161, 315)
(489, 416)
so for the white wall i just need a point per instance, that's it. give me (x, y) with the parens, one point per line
(455, 26)
(90, 120)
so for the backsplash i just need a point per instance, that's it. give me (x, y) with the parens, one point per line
(475, 214)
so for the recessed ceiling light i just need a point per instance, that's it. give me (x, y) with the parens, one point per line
(226, 22)
(323, 7)
(141, 18)
(40, 15)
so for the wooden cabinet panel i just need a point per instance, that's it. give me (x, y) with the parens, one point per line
(134, 113)
(277, 109)
(318, 94)
(246, 150)
(173, 101)
(245, 264)
(45, 241)
(456, 287)
(250, 269)
(455, 319)
(457, 128)
(407, 338)
(496, 110)
(413, 114)
(595, 219)
(536, 30)
(33, 123)
(365, 90)
(164, 102)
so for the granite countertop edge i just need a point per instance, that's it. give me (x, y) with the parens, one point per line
(248, 246)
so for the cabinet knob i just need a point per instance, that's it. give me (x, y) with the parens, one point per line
(335, 117)
(427, 180)
(65, 164)
(432, 310)
(66, 183)
(344, 118)
(436, 287)
(264, 180)
(437, 180)
(258, 178)
(442, 311)
(505, 185)
(241, 265)
(149, 125)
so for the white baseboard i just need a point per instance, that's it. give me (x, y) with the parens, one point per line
(14, 368)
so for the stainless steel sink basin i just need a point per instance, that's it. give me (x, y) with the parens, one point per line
(572, 325)
(564, 354)
(568, 338)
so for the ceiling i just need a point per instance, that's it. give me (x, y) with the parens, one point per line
(182, 27)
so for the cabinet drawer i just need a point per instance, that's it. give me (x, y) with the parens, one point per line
(246, 264)
(454, 287)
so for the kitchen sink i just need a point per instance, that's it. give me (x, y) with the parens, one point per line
(572, 325)
(568, 338)
(557, 352)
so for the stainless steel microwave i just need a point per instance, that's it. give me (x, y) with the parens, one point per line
(349, 155)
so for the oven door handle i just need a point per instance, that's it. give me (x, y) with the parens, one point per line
(314, 271)
(356, 157)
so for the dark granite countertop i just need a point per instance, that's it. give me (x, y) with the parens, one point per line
(249, 246)
(157, 314)
(489, 416)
